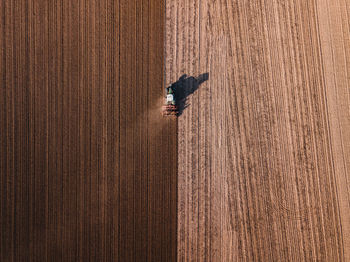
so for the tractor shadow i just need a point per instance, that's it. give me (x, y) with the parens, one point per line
(186, 86)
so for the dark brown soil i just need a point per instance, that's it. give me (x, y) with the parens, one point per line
(87, 162)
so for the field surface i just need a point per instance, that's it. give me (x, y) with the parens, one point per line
(264, 145)
(256, 167)
(87, 163)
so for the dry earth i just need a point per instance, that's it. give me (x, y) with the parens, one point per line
(264, 147)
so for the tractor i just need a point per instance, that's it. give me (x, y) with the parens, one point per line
(170, 107)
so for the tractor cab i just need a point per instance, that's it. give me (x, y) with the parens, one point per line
(170, 100)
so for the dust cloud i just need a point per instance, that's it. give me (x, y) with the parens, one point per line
(153, 116)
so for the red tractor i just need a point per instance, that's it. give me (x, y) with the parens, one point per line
(170, 107)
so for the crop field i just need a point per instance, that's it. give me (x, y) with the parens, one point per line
(254, 168)
(264, 147)
(87, 162)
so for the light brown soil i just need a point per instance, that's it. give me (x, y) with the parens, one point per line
(264, 147)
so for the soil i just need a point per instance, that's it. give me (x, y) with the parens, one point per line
(264, 144)
(87, 162)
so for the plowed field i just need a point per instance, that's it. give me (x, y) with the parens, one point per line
(264, 145)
